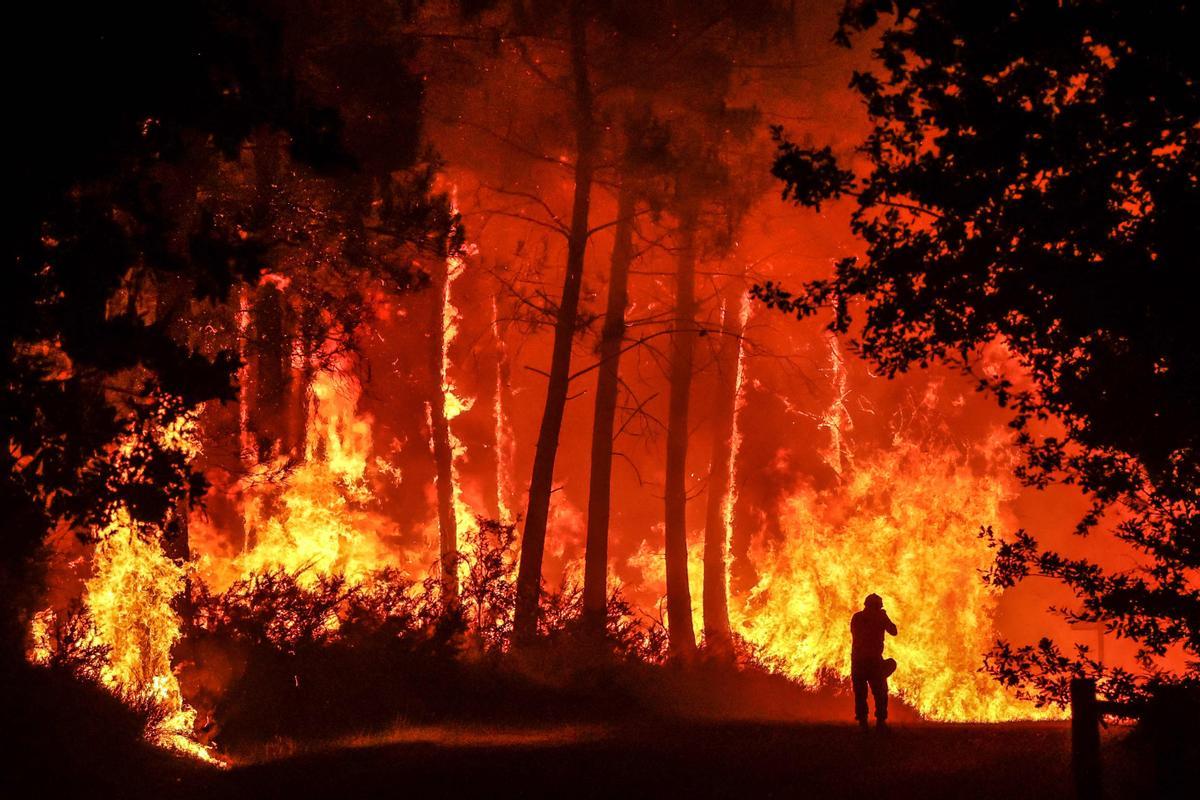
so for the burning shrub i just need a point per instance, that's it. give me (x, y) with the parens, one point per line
(488, 589)
(66, 640)
(274, 607)
(291, 645)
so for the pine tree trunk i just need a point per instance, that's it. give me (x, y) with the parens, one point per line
(612, 338)
(267, 417)
(533, 540)
(177, 547)
(271, 374)
(683, 341)
(716, 525)
(443, 451)
(502, 434)
(300, 399)
(247, 449)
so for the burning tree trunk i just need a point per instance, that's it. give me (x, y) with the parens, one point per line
(502, 433)
(718, 517)
(443, 449)
(595, 570)
(533, 541)
(177, 547)
(683, 340)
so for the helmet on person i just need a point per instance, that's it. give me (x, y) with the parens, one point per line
(873, 601)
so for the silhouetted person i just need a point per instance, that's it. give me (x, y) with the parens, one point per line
(868, 667)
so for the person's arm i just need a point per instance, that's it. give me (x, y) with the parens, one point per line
(888, 625)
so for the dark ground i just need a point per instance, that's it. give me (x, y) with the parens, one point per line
(677, 759)
(75, 740)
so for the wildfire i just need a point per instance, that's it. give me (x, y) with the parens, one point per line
(901, 524)
(900, 521)
(314, 518)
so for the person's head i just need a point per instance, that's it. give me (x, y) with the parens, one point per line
(873, 602)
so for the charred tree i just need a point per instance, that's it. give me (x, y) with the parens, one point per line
(443, 450)
(683, 342)
(533, 541)
(612, 338)
(502, 433)
(716, 521)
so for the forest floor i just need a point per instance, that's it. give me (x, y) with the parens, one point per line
(686, 734)
(686, 759)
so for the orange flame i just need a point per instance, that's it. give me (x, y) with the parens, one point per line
(901, 523)
(312, 518)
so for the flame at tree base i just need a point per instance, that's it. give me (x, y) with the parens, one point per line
(130, 623)
(315, 517)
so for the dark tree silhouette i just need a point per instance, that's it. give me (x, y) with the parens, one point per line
(612, 339)
(533, 540)
(1035, 180)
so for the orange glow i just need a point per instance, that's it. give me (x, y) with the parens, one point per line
(311, 518)
(901, 522)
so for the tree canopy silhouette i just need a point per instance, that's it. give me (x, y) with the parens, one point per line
(1034, 180)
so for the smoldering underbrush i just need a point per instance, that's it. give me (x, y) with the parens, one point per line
(299, 655)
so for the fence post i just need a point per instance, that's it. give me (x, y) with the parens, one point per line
(1085, 739)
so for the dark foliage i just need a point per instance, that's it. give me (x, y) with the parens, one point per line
(124, 117)
(1034, 181)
